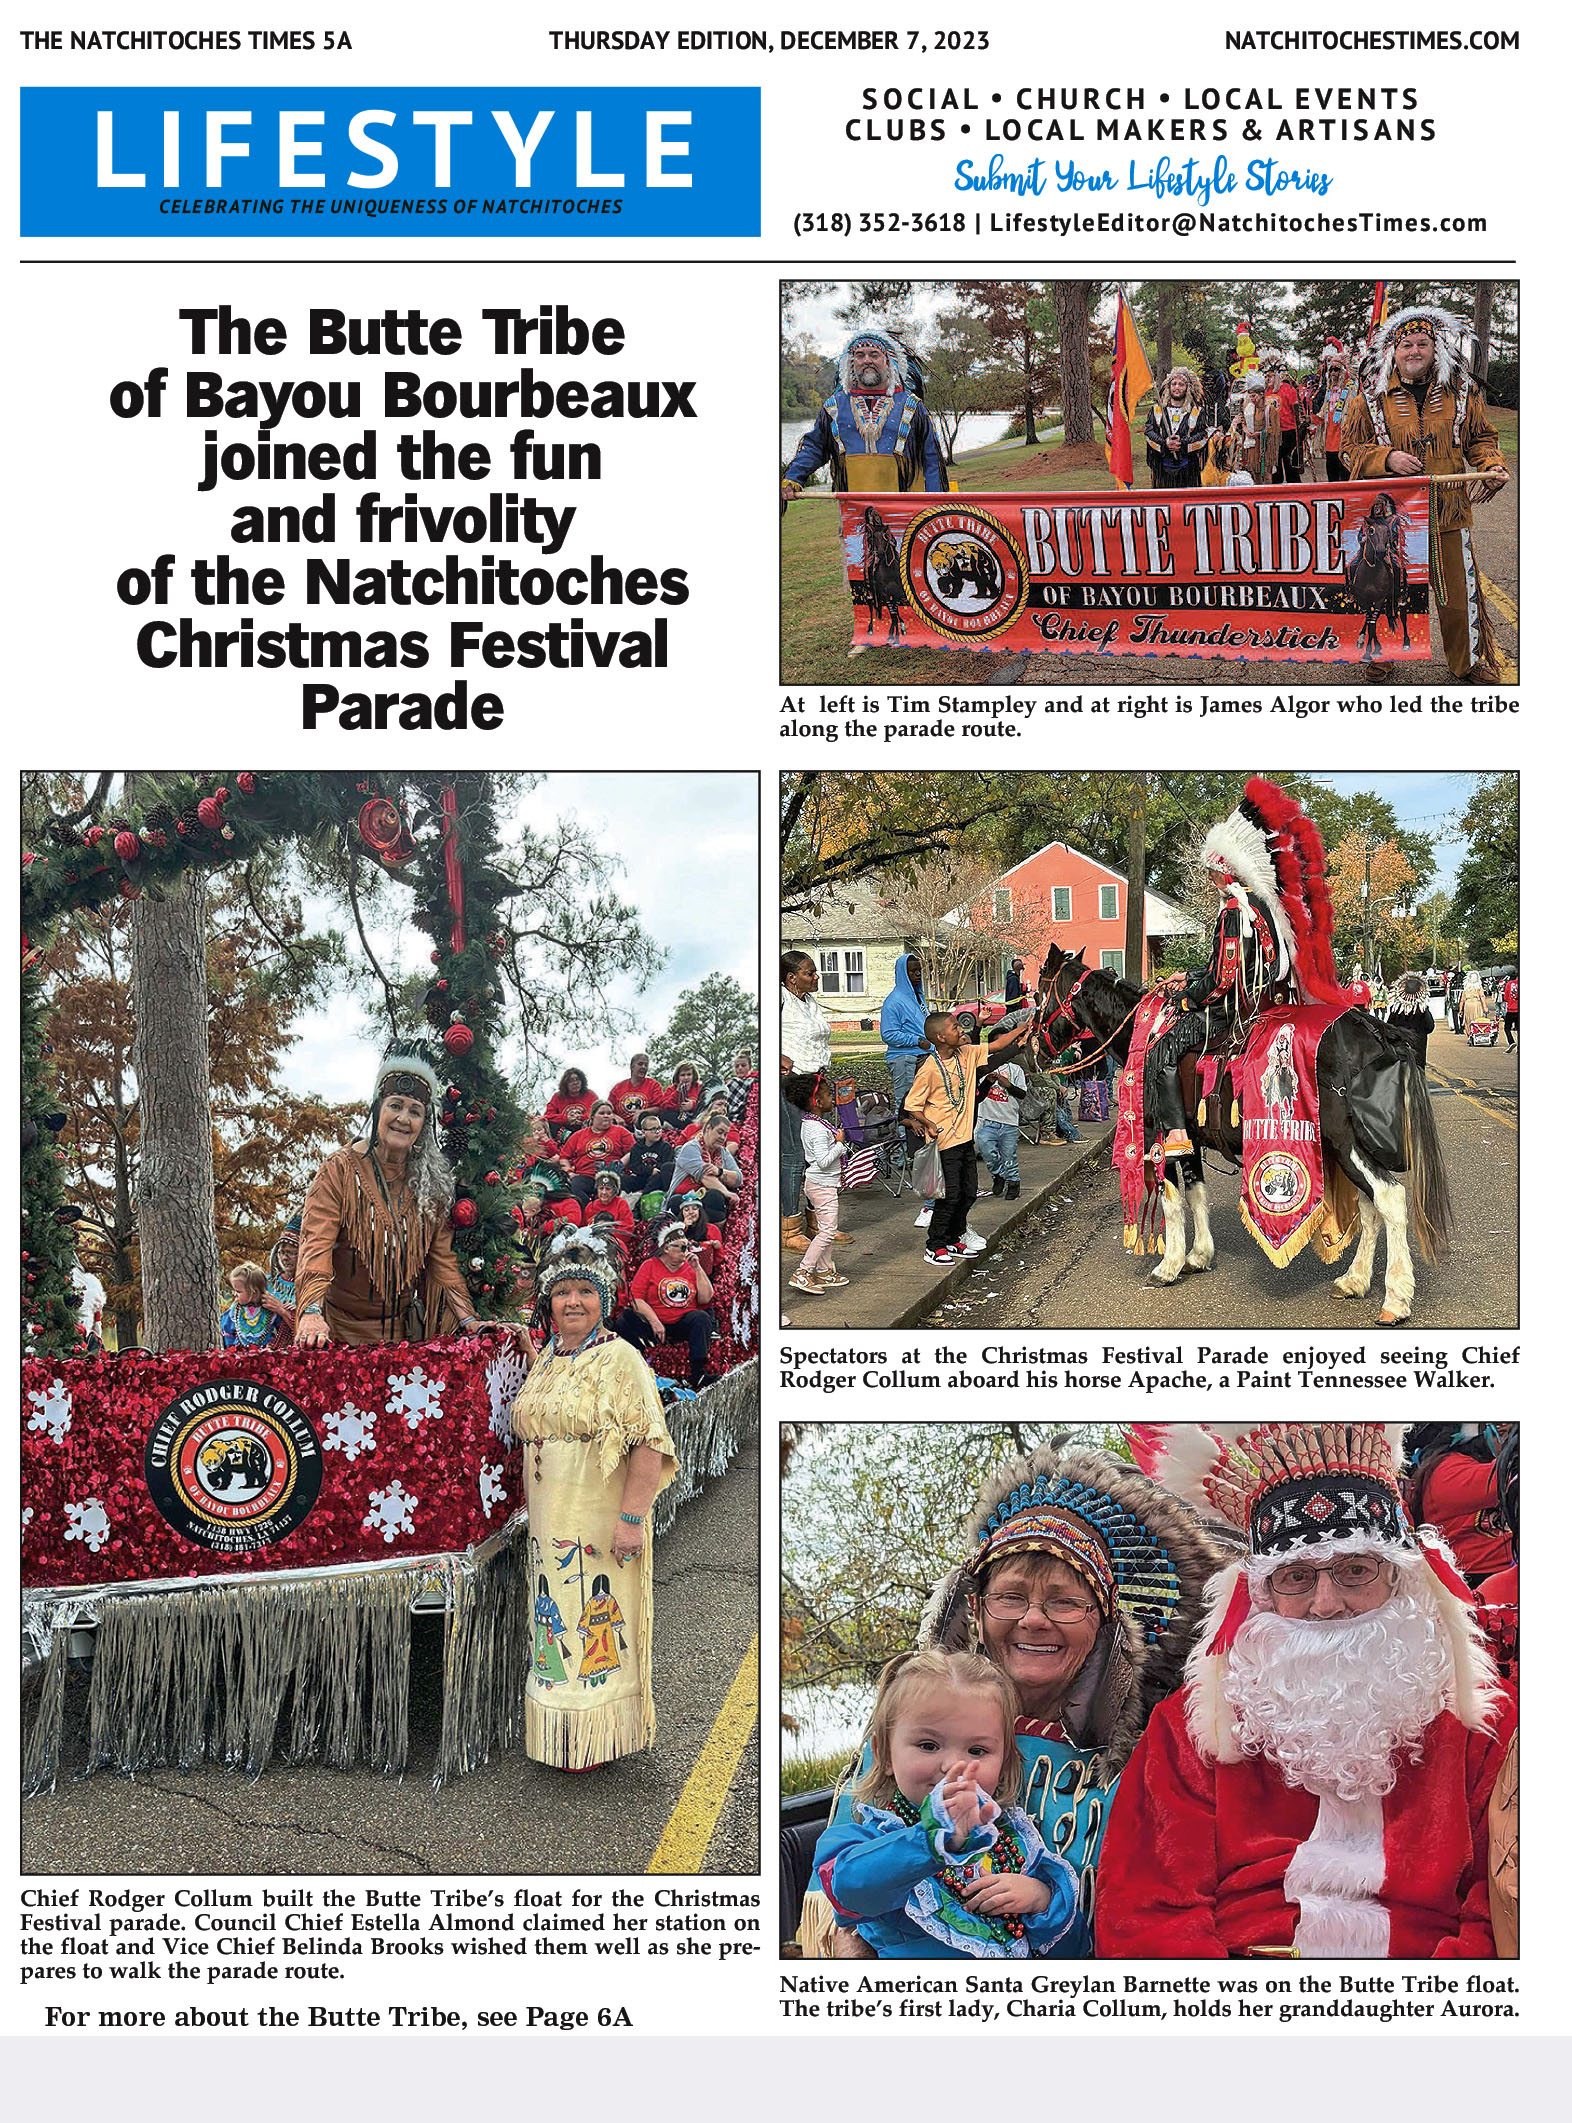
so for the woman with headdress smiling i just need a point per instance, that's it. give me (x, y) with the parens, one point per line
(597, 1454)
(1084, 1582)
(376, 1258)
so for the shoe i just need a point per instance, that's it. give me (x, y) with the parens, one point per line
(998, 1184)
(842, 1238)
(808, 1283)
(940, 1256)
(1381, 674)
(792, 1239)
(970, 1242)
(1012, 1192)
(831, 1281)
(924, 1217)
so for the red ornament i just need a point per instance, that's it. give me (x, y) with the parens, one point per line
(127, 846)
(464, 1212)
(458, 1039)
(220, 796)
(436, 958)
(247, 783)
(28, 858)
(442, 987)
(493, 1179)
(92, 836)
(211, 813)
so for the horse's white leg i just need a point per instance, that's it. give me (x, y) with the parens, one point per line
(1172, 1264)
(1391, 1206)
(1199, 1257)
(1356, 1283)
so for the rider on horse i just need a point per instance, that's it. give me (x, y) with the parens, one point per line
(1272, 943)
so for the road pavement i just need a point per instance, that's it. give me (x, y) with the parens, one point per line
(1068, 1268)
(509, 1816)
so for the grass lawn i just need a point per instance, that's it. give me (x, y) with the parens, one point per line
(815, 610)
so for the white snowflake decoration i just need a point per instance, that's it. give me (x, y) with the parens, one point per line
(350, 1430)
(505, 1376)
(27, 1516)
(392, 1511)
(51, 1410)
(493, 1490)
(89, 1522)
(415, 1396)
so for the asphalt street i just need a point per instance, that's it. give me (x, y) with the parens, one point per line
(689, 1805)
(1067, 1266)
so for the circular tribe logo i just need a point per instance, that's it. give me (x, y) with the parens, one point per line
(1279, 1184)
(233, 1465)
(964, 572)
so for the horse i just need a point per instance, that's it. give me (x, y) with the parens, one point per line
(1376, 1124)
(1377, 578)
(881, 574)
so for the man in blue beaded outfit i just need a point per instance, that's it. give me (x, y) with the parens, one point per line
(873, 430)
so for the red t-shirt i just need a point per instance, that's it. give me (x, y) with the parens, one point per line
(569, 1113)
(616, 1208)
(733, 1138)
(1460, 1497)
(707, 1245)
(586, 1152)
(681, 1103)
(669, 1292)
(629, 1099)
(1509, 996)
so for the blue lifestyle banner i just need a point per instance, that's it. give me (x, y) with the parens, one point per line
(410, 163)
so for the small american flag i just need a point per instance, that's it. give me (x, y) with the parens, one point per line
(861, 1167)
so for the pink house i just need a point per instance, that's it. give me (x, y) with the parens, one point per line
(1063, 897)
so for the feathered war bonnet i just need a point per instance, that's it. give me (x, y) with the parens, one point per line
(582, 1256)
(1142, 1555)
(891, 347)
(1446, 331)
(1272, 849)
(1309, 1491)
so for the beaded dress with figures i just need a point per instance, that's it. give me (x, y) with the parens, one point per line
(588, 1698)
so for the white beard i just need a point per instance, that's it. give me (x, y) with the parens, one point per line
(1337, 1706)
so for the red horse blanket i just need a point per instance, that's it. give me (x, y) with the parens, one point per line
(1140, 1173)
(1282, 1195)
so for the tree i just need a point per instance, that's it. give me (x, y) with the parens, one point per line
(1009, 309)
(878, 305)
(709, 1025)
(174, 1196)
(960, 928)
(835, 828)
(1073, 318)
(1485, 899)
(1371, 885)
(963, 375)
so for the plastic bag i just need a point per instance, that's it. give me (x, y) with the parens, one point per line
(928, 1173)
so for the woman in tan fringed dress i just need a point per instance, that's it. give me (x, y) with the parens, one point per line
(597, 1453)
(376, 1257)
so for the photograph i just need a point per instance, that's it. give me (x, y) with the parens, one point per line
(1324, 471)
(390, 1384)
(1148, 1691)
(1149, 1050)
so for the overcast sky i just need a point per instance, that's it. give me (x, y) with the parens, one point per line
(688, 846)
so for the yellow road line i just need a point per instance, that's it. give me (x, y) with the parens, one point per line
(1492, 1110)
(1499, 598)
(686, 1836)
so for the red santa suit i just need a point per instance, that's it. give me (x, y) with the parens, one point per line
(1206, 1858)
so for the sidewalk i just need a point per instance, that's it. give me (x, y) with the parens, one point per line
(891, 1284)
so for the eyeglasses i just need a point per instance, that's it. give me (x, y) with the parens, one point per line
(1350, 1573)
(1015, 1606)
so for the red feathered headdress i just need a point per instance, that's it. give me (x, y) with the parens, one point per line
(1299, 863)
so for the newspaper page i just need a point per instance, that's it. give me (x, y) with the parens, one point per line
(530, 1524)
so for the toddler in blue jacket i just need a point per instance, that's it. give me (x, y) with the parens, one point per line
(935, 1863)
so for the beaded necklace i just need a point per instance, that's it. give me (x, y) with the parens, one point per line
(593, 1340)
(1007, 1856)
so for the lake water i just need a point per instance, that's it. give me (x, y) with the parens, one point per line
(830, 1720)
(976, 430)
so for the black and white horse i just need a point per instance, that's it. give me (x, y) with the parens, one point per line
(1376, 1126)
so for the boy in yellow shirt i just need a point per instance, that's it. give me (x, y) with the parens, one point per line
(942, 1103)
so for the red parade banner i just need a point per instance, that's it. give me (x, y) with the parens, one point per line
(1300, 574)
(227, 1462)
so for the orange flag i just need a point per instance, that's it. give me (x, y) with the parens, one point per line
(1131, 378)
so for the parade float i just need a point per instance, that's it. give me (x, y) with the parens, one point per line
(240, 1539)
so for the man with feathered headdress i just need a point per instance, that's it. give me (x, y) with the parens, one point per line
(1419, 410)
(376, 1258)
(873, 430)
(1320, 1787)
(1176, 431)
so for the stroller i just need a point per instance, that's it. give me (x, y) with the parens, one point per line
(1483, 1031)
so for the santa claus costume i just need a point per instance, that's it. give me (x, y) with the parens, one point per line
(1319, 1789)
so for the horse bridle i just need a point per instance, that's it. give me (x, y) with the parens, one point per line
(1061, 1008)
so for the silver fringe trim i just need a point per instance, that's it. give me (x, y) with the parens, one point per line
(314, 1664)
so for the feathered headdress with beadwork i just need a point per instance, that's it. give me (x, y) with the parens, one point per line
(1311, 1491)
(588, 1256)
(1141, 1552)
(1446, 330)
(892, 347)
(1274, 851)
